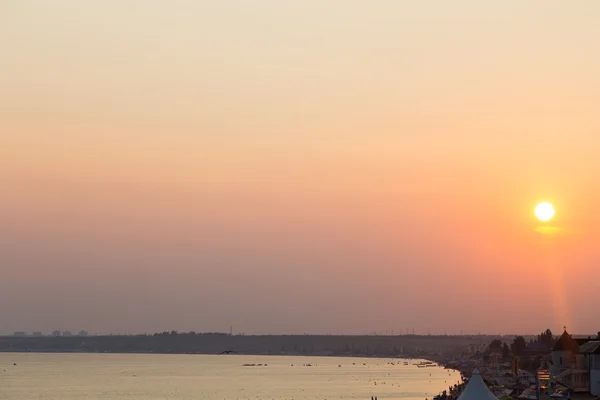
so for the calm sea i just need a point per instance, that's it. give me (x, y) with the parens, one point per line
(197, 377)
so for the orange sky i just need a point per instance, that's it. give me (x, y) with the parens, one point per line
(293, 167)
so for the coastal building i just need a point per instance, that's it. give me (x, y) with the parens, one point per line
(588, 359)
(563, 355)
(476, 389)
(56, 333)
(37, 334)
(576, 364)
(20, 334)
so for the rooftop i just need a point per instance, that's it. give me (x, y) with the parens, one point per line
(476, 389)
(566, 343)
(591, 347)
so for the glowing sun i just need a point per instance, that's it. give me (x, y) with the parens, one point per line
(544, 211)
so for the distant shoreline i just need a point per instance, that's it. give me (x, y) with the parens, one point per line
(399, 357)
(433, 348)
(228, 355)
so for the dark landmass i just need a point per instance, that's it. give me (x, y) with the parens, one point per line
(432, 347)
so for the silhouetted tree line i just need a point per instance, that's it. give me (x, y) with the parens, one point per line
(529, 360)
(546, 338)
(222, 343)
(505, 351)
(519, 345)
(497, 346)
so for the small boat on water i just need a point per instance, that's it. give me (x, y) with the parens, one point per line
(425, 364)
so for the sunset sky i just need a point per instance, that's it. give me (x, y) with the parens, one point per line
(280, 166)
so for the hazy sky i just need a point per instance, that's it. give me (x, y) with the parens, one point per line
(299, 166)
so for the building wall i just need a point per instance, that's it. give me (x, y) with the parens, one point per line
(581, 361)
(561, 360)
(595, 382)
(580, 381)
(595, 375)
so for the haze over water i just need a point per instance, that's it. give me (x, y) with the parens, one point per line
(285, 166)
(124, 377)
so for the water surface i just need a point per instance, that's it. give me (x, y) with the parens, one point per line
(206, 377)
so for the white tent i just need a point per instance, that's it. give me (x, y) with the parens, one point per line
(476, 389)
